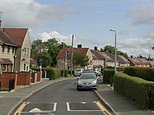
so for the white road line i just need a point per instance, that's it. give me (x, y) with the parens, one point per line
(54, 106)
(68, 106)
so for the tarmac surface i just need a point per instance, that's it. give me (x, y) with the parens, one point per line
(115, 102)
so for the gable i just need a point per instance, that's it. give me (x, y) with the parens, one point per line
(16, 35)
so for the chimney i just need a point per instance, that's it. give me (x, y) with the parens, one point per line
(79, 46)
(95, 48)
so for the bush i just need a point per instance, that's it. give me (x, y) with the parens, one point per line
(53, 73)
(146, 73)
(135, 88)
(108, 75)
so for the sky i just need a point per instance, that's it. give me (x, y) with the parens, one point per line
(89, 21)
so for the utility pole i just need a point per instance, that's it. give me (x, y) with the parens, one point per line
(72, 55)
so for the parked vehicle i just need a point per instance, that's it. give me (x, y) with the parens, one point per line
(87, 81)
(77, 72)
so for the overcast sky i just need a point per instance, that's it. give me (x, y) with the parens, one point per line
(89, 20)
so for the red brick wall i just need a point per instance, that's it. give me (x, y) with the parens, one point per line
(5, 77)
(23, 78)
(20, 78)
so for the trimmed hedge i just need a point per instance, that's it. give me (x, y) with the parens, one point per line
(53, 73)
(146, 73)
(135, 88)
(108, 75)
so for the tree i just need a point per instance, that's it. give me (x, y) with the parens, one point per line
(110, 49)
(46, 59)
(80, 59)
(50, 48)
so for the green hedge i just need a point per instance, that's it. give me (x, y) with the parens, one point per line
(53, 73)
(135, 88)
(108, 75)
(146, 73)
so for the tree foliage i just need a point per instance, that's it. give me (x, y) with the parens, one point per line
(80, 59)
(47, 51)
(110, 49)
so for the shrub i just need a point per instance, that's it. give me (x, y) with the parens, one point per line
(53, 73)
(146, 73)
(135, 88)
(108, 75)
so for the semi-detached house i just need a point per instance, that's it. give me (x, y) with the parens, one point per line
(15, 49)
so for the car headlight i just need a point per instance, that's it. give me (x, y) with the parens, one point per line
(79, 82)
(94, 82)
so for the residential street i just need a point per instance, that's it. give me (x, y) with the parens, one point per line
(62, 98)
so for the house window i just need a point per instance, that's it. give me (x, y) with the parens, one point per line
(24, 66)
(3, 49)
(8, 49)
(13, 50)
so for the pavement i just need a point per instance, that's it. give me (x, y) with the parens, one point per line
(118, 104)
(114, 102)
(10, 100)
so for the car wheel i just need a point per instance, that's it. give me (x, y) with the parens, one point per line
(77, 89)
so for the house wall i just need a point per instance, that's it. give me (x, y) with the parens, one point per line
(98, 62)
(25, 54)
(6, 54)
(89, 54)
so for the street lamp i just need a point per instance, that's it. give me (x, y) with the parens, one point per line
(115, 54)
(72, 54)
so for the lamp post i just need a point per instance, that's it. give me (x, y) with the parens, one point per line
(115, 53)
(72, 54)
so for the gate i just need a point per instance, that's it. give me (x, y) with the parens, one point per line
(11, 84)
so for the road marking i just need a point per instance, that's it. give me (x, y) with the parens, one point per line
(54, 107)
(35, 110)
(22, 106)
(104, 110)
(68, 106)
(83, 102)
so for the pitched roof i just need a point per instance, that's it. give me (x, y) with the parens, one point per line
(123, 60)
(17, 35)
(139, 61)
(97, 55)
(63, 51)
(4, 39)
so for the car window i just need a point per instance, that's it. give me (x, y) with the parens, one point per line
(88, 76)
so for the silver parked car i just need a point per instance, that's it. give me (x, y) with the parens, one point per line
(87, 81)
(77, 72)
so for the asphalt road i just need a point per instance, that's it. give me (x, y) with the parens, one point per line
(61, 98)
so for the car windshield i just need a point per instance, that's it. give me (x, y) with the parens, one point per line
(88, 76)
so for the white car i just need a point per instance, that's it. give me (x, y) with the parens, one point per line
(77, 72)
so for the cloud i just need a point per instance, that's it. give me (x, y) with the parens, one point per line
(142, 14)
(31, 13)
(138, 46)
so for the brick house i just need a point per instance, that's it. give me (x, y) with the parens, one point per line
(20, 37)
(7, 52)
(64, 57)
(101, 59)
